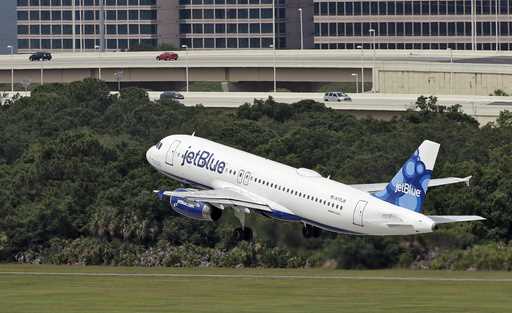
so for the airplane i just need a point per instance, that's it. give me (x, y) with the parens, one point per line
(220, 177)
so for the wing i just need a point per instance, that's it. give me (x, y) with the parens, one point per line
(443, 219)
(432, 183)
(223, 196)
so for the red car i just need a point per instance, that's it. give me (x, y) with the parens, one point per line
(167, 56)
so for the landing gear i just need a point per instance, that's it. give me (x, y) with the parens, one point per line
(242, 234)
(311, 231)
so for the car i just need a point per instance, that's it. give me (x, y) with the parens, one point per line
(172, 95)
(167, 56)
(40, 56)
(336, 96)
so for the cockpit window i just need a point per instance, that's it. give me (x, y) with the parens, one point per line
(159, 145)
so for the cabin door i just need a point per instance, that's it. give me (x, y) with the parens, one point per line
(359, 213)
(170, 158)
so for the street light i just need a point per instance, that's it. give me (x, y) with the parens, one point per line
(42, 70)
(451, 68)
(186, 65)
(362, 67)
(496, 30)
(98, 48)
(301, 30)
(357, 81)
(372, 33)
(12, 67)
(273, 45)
(274, 63)
(119, 75)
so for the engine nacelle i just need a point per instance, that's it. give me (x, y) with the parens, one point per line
(195, 209)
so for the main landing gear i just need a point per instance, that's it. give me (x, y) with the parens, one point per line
(242, 233)
(310, 231)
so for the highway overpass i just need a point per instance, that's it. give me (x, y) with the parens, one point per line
(389, 71)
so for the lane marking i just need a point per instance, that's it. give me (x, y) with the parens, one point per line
(255, 276)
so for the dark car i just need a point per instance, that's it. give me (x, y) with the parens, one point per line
(172, 95)
(167, 56)
(40, 56)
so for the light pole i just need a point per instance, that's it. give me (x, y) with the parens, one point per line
(274, 66)
(42, 71)
(273, 45)
(98, 48)
(301, 30)
(362, 67)
(357, 81)
(496, 26)
(186, 65)
(118, 75)
(473, 25)
(274, 24)
(451, 69)
(12, 67)
(372, 33)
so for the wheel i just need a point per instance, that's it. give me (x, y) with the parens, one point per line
(240, 234)
(309, 231)
(316, 232)
(247, 234)
(339, 100)
(158, 58)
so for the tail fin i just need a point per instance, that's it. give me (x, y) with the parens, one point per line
(409, 186)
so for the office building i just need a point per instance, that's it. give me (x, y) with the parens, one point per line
(433, 24)
(84, 25)
(76, 25)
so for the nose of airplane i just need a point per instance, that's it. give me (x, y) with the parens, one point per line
(149, 155)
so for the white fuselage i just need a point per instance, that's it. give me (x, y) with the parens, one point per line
(298, 193)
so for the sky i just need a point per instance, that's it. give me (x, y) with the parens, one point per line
(7, 24)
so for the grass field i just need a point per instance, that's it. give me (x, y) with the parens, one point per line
(111, 289)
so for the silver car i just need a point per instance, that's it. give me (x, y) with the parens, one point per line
(336, 96)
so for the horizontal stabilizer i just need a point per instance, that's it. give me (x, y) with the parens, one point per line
(448, 181)
(444, 219)
(432, 183)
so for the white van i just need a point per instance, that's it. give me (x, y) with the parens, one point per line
(336, 96)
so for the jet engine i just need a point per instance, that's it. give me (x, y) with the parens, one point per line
(195, 209)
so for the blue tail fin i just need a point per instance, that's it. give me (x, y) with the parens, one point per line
(409, 186)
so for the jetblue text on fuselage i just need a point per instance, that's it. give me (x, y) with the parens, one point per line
(203, 159)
